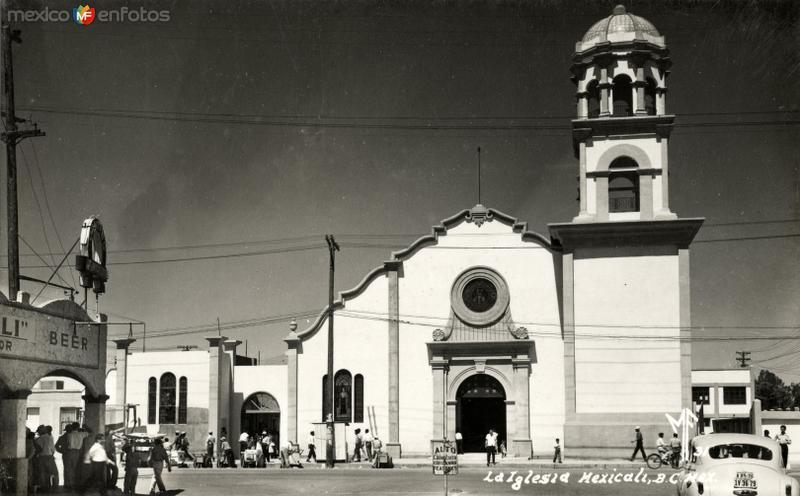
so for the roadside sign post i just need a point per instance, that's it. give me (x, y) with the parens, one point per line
(445, 462)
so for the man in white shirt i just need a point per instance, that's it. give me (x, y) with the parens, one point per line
(98, 459)
(312, 453)
(661, 445)
(491, 447)
(784, 440)
(244, 438)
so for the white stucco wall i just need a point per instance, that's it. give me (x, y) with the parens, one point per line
(257, 379)
(360, 347)
(191, 364)
(647, 144)
(614, 295)
(361, 344)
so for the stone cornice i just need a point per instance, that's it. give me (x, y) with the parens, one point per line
(678, 232)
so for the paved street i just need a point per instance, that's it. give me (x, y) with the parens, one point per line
(416, 481)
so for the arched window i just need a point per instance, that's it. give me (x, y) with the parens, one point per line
(326, 398)
(343, 395)
(623, 96)
(650, 97)
(182, 395)
(358, 398)
(593, 99)
(152, 387)
(623, 185)
(166, 397)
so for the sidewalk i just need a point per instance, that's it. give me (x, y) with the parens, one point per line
(478, 460)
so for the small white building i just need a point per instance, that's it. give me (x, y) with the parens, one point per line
(726, 396)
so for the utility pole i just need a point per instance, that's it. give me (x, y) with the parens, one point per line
(743, 358)
(11, 137)
(330, 451)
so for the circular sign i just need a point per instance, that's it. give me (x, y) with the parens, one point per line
(479, 296)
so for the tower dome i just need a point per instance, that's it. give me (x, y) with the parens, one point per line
(620, 26)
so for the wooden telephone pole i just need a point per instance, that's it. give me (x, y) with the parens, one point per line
(330, 449)
(11, 137)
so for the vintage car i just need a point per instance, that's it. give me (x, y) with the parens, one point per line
(735, 465)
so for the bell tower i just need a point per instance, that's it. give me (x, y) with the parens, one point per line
(625, 256)
(622, 129)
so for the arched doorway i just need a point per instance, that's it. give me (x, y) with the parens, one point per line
(481, 405)
(260, 413)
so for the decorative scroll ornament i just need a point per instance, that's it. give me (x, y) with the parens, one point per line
(520, 333)
(439, 335)
(479, 214)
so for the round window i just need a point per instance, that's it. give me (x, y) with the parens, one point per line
(479, 295)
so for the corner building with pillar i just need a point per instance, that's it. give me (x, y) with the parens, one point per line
(580, 335)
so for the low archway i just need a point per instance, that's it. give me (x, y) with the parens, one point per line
(481, 405)
(261, 413)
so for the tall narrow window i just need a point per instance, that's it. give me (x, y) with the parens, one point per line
(650, 97)
(593, 99)
(623, 96)
(182, 395)
(623, 186)
(343, 396)
(326, 398)
(358, 398)
(152, 387)
(166, 399)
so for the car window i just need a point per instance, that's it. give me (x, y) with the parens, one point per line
(740, 450)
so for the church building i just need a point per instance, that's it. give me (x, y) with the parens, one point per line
(580, 334)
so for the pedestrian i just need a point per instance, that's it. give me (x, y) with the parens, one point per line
(312, 453)
(557, 451)
(85, 470)
(459, 443)
(784, 441)
(266, 440)
(502, 449)
(111, 451)
(368, 444)
(61, 446)
(491, 447)
(675, 446)
(131, 467)
(96, 459)
(377, 447)
(184, 446)
(359, 441)
(639, 440)
(227, 452)
(158, 460)
(72, 457)
(244, 438)
(211, 442)
(766, 433)
(30, 454)
(48, 472)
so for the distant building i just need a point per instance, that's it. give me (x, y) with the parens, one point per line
(726, 396)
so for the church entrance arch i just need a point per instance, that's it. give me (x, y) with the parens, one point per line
(480, 406)
(261, 413)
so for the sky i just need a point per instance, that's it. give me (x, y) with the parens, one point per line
(237, 134)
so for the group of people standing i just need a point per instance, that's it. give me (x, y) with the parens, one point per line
(262, 445)
(79, 456)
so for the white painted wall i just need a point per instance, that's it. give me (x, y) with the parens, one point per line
(361, 343)
(191, 364)
(611, 295)
(256, 379)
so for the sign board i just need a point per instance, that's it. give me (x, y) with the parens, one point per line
(40, 337)
(445, 459)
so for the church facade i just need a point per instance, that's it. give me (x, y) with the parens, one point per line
(579, 335)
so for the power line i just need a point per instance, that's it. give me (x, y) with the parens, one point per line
(255, 120)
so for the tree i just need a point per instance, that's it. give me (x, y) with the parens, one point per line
(772, 391)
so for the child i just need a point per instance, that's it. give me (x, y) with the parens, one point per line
(502, 449)
(557, 451)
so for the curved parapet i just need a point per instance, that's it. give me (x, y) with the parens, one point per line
(67, 309)
(477, 215)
